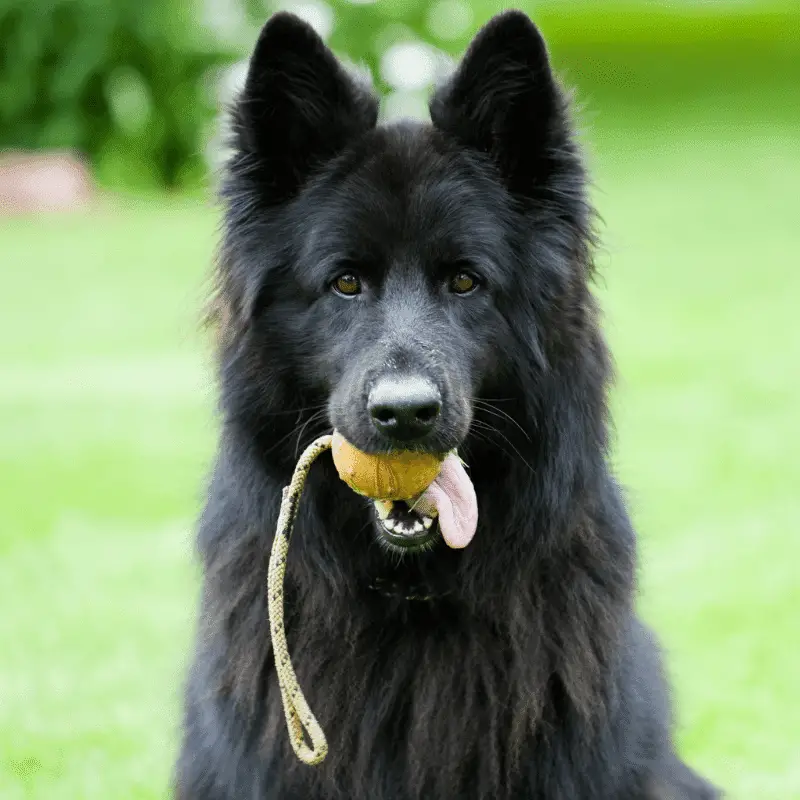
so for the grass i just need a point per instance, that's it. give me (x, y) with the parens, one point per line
(107, 431)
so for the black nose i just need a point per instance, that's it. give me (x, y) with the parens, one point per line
(404, 408)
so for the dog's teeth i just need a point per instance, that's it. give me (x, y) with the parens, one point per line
(383, 508)
(411, 527)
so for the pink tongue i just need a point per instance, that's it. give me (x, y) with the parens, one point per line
(453, 496)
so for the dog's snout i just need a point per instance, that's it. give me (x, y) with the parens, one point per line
(404, 408)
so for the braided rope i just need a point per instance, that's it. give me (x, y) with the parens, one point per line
(299, 717)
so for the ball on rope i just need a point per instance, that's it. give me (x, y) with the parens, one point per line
(439, 480)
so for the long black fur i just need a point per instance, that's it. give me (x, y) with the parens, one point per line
(525, 672)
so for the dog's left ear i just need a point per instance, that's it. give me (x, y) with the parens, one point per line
(503, 100)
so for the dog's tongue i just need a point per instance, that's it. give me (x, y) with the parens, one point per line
(453, 496)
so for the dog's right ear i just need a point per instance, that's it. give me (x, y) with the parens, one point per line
(298, 109)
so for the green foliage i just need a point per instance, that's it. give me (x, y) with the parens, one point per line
(627, 51)
(125, 82)
(132, 83)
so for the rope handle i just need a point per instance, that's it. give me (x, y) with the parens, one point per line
(299, 717)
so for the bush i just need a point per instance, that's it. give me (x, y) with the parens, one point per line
(123, 81)
(132, 83)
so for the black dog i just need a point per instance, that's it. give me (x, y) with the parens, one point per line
(445, 270)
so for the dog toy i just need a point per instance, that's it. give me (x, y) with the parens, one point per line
(437, 483)
(299, 717)
(384, 476)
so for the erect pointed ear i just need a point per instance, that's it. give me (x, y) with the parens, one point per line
(299, 107)
(503, 100)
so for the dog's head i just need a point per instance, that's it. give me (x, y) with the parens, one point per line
(392, 277)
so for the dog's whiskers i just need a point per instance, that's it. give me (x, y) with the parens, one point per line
(295, 431)
(479, 426)
(314, 418)
(302, 410)
(485, 405)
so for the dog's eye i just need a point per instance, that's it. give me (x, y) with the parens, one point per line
(347, 285)
(463, 283)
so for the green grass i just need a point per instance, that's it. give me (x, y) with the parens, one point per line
(106, 430)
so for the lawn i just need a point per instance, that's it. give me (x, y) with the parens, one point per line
(107, 428)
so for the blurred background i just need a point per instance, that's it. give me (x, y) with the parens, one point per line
(110, 139)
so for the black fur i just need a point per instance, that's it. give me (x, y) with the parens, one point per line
(524, 673)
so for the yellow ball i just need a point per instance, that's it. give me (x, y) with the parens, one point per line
(384, 476)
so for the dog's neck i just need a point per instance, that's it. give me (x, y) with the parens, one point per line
(422, 592)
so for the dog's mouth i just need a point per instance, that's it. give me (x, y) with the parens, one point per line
(406, 528)
(447, 509)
